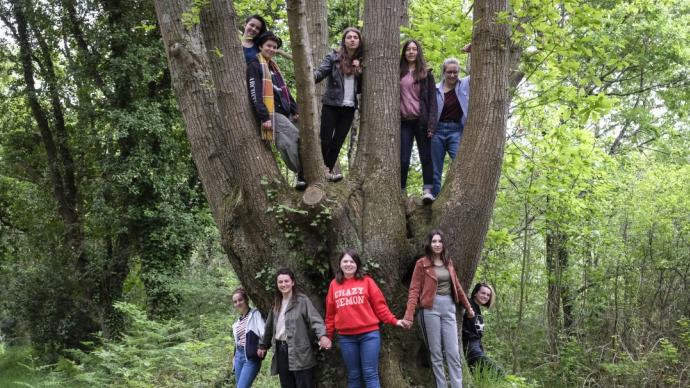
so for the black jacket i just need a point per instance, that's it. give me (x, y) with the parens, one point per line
(334, 88)
(472, 332)
(428, 109)
(256, 93)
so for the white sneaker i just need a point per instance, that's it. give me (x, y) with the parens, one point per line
(428, 198)
(334, 177)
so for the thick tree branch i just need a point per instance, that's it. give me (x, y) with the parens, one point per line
(90, 56)
(310, 146)
(466, 203)
(377, 163)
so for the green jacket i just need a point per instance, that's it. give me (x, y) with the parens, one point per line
(300, 317)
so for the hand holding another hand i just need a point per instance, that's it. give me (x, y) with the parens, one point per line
(261, 353)
(325, 343)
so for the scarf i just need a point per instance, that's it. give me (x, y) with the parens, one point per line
(268, 98)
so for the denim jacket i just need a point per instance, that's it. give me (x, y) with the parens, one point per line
(462, 90)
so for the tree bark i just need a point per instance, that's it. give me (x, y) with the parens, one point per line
(265, 226)
(465, 204)
(377, 164)
(558, 293)
(310, 144)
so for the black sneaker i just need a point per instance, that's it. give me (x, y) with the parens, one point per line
(301, 185)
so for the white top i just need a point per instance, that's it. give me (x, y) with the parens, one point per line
(349, 90)
(280, 323)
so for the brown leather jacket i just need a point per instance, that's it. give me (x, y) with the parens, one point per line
(424, 284)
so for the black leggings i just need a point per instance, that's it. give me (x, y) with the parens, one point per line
(335, 124)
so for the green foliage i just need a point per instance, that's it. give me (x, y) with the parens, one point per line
(442, 27)
(151, 353)
(19, 367)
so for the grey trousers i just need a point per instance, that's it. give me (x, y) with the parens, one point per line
(440, 329)
(287, 142)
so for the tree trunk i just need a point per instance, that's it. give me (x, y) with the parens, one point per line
(465, 204)
(310, 144)
(55, 139)
(264, 224)
(557, 295)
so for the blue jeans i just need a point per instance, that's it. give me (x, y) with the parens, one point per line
(409, 131)
(245, 370)
(361, 355)
(446, 139)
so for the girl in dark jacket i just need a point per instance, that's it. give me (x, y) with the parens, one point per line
(343, 68)
(418, 112)
(274, 105)
(473, 330)
(289, 328)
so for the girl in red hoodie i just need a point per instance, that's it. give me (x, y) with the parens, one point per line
(354, 308)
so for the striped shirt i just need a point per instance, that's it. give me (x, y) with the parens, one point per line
(241, 331)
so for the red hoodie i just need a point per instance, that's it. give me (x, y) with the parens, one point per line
(356, 307)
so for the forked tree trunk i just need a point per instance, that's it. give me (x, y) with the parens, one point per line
(265, 224)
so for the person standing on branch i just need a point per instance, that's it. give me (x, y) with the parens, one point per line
(435, 288)
(418, 111)
(355, 306)
(343, 68)
(289, 326)
(452, 98)
(247, 330)
(274, 105)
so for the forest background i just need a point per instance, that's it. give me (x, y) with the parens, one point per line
(589, 245)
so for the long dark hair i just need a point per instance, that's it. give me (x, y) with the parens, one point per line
(427, 248)
(344, 57)
(420, 70)
(359, 274)
(476, 289)
(278, 298)
(258, 17)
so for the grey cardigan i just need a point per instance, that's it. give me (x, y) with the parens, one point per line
(301, 318)
(334, 88)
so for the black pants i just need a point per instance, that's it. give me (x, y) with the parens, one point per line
(288, 378)
(335, 124)
(409, 131)
(478, 361)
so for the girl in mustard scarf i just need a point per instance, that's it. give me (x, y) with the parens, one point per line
(273, 104)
